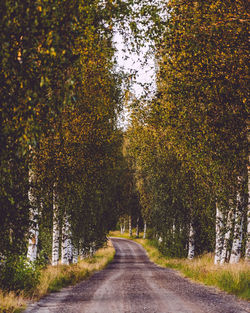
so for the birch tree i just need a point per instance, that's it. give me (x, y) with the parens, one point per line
(34, 212)
(237, 236)
(137, 227)
(191, 246)
(145, 230)
(225, 249)
(56, 230)
(130, 226)
(247, 251)
(219, 235)
(65, 240)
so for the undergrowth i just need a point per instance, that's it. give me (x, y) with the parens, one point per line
(232, 278)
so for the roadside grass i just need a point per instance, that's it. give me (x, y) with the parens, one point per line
(53, 278)
(10, 302)
(232, 278)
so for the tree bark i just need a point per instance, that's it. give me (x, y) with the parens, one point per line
(75, 255)
(237, 240)
(247, 252)
(34, 229)
(82, 251)
(173, 229)
(219, 235)
(224, 252)
(145, 230)
(130, 226)
(137, 228)
(65, 240)
(92, 249)
(191, 247)
(70, 248)
(55, 239)
(124, 225)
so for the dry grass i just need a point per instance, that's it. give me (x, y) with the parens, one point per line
(53, 278)
(10, 302)
(232, 278)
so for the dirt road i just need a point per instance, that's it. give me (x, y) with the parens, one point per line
(132, 284)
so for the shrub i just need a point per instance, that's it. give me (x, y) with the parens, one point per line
(17, 273)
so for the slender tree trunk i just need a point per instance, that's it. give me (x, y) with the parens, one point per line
(65, 240)
(191, 247)
(173, 229)
(121, 226)
(237, 240)
(92, 249)
(238, 226)
(145, 230)
(75, 255)
(130, 226)
(124, 226)
(219, 235)
(56, 231)
(34, 229)
(137, 227)
(82, 252)
(247, 252)
(70, 249)
(224, 251)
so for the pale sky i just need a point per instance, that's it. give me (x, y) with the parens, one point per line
(130, 62)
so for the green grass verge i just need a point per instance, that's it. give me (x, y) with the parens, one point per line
(232, 278)
(53, 278)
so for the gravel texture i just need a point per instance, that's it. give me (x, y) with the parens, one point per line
(133, 284)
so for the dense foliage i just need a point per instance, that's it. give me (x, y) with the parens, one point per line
(189, 144)
(60, 145)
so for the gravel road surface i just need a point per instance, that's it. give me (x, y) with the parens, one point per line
(132, 284)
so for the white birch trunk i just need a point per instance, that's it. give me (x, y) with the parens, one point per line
(55, 239)
(225, 251)
(75, 255)
(82, 254)
(92, 249)
(70, 249)
(34, 229)
(130, 226)
(124, 226)
(219, 235)
(173, 229)
(65, 241)
(191, 247)
(145, 230)
(237, 240)
(137, 228)
(247, 252)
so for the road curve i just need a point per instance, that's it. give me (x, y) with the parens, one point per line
(133, 284)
